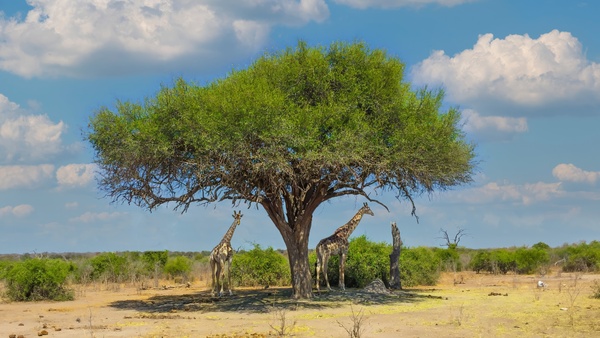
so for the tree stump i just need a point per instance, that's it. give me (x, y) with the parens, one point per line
(395, 259)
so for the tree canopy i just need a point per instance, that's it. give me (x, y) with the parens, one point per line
(294, 129)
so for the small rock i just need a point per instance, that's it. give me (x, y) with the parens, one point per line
(43, 333)
(12, 336)
(21, 324)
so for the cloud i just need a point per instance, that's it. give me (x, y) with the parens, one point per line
(492, 127)
(24, 176)
(17, 211)
(89, 217)
(99, 37)
(71, 205)
(25, 138)
(75, 175)
(522, 71)
(362, 4)
(525, 194)
(570, 173)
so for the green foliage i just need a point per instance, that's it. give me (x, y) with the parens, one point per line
(419, 266)
(259, 267)
(109, 267)
(449, 258)
(531, 260)
(581, 257)
(38, 279)
(365, 262)
(481, 261)
(541, 246)
(178, 266)
(155, 259)
(504, 261)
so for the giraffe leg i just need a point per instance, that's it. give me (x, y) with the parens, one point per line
(213, 270)
(325, 265)
(318, 270)
(342, 268)
(228, 265)
(222, 279)
(219, 280)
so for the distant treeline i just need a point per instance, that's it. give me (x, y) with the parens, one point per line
(48, 275)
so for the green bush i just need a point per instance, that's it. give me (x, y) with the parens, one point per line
(449, 258)
(365, 262)
(178, 266)
(38, 279)
(109, 267)
(419, 266)
(531, 260)
(259, 267)
(503, 261)
(581, 257)
(482, 261)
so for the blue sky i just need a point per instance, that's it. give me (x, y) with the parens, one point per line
(525, 75)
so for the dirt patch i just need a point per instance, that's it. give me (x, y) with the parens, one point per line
(482, 305)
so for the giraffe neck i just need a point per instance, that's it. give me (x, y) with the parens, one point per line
(346, 230)
(230, 231)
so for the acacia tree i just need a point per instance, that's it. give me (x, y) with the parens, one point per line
(295, 129)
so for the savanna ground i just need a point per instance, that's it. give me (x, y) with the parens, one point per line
(461, 305)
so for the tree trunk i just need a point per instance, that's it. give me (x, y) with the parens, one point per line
(395, 259)
(297, 247)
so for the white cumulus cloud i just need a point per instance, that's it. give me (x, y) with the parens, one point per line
(25, 176)
(525, 194)
(570, 173)
(89, 217)
(399, 3)
(104, 37)
(518, 69)
(493, 127)
(75, 175)
(17, 211)
(25, 137)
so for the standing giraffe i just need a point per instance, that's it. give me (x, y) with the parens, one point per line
(337, 244)
(220, 258)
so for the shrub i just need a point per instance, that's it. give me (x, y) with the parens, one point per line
(365, 262)
(482, 261)
(530, 260)
(449, 258)
(260, 267)
(582, 257)
(503, 261)
(178, 266)
(419, 266)
(38, 279)
(109, 267)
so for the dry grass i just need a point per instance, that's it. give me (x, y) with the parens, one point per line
(480, 306)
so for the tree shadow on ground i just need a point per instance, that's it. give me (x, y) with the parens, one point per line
(264, 301)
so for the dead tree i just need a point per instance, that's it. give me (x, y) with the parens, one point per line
(395, 259)
(454, 244)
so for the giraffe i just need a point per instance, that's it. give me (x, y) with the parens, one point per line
(221, 256)
(337, 244)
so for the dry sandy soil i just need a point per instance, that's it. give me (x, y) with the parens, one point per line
(461, 305)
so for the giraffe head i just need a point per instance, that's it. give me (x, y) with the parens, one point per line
(237, 217)
(366, 210)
